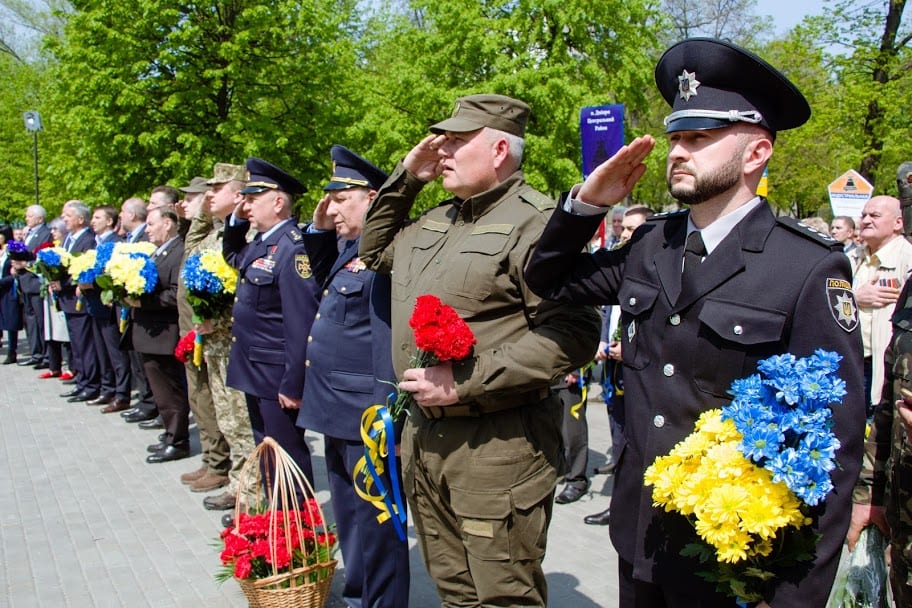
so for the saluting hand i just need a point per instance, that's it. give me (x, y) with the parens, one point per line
(615, 178)
(321, 221)
(424, 160)
(431, 385)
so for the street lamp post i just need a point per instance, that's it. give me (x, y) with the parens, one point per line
(33, 125)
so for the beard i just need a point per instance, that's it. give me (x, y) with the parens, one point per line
(708, 185)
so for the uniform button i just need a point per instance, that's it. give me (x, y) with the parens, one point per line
(343, 290)
(256, 280)
(317, 316)
(325, 292)
(310, 339)
(243, 281)
(232, 319)
(669, 369)
(738, 330)
(233, 339)
(675, 319)
(307, 363)
(235, 299)
(632, 301)
(658, 421)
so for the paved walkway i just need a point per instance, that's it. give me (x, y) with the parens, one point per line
(85, 522)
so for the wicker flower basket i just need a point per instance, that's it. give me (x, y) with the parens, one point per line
(286, 501)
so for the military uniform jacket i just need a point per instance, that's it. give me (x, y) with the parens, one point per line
(887, 469)
(155, 330)
(770, 287)
(274, 307)
(349, 345)
(66, 299)
(471, 254)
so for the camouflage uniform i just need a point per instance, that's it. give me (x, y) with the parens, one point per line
(230, 404)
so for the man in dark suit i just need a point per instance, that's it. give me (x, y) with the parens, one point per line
(38, 234)
(351, 369)
(76, 216)
(275, 304)
(113, 363)
(155, 334)
(133, 214)
(753, 286)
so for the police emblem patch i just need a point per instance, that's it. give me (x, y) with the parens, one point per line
(302, 266)
(687, 85)
(842, 303)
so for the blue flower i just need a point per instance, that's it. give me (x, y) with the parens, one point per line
(49, 257)
(761, 442)
(103, 255)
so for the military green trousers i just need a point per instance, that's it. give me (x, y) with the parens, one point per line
(481, 491)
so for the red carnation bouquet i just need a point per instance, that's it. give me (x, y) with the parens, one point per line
(260, 541)
(440, 335)
(184, 349)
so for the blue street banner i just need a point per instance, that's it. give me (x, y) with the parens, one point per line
(601, 134)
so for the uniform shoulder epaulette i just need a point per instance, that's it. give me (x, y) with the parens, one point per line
(806, 231)
(666, 215)
(538, 200)
(294, 233)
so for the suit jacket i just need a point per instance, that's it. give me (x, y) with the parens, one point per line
(770, 287)
(349, 344)
(274, 307)
(155, 329)
(93, 296)
(10, 305)
(67, 299)
(29, 282)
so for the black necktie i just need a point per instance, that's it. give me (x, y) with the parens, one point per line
(694, 251)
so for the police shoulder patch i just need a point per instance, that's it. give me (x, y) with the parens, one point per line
(302, 266)
(538, 200)
(807, 232)
(841, 302)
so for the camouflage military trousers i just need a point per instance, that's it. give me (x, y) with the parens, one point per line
(233, 421)
(215, 449)
(480, 492)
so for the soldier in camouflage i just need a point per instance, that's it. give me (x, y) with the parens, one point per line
(883, 494)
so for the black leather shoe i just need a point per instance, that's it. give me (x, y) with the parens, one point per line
(41, 365)
(598, 519)
(129, 412)
(608, 469)
(70, 381)
(71, 393)
(140, 416)
(168, 454)
(11, 359)
(162, 437)
(151, 425)
(571, 493)
(82, 396)
(155, 448)
(23, 362)
(101, 400)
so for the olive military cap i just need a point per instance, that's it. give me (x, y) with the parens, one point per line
(197, 185)
(476, 111)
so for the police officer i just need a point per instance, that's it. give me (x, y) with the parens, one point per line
(753, 286)
(482, 449)
(349, 369)
(274, 307)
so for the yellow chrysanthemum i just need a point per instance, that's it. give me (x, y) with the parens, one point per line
(80, 263)
(144, 247)
(213, 261)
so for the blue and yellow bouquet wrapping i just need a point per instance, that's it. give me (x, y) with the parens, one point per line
(128, 272)
(748, 475)
(211, 283)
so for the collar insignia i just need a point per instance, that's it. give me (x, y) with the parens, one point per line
(687, 85)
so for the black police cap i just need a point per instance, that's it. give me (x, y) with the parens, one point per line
(262, 176)
(712, 84)
(352, 171)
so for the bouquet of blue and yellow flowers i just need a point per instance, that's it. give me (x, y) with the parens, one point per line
(125, 270)
(211, 283)
(51, 264)
(748, 475)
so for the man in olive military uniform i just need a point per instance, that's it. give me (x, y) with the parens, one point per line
(482, 448)
(753, 286)
(350, 370)
(274, 307)
(883, 494)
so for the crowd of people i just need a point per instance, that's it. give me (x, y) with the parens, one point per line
(319, 329)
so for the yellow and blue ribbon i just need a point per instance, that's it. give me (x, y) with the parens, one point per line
(198, 350)
(379, 437)
(124, 317)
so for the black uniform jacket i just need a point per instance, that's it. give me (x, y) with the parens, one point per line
(770, 287)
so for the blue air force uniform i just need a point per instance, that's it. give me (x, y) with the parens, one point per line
(350, 369)
(274, 306)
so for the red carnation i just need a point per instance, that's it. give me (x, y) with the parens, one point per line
(440, 335)
(184, 349)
